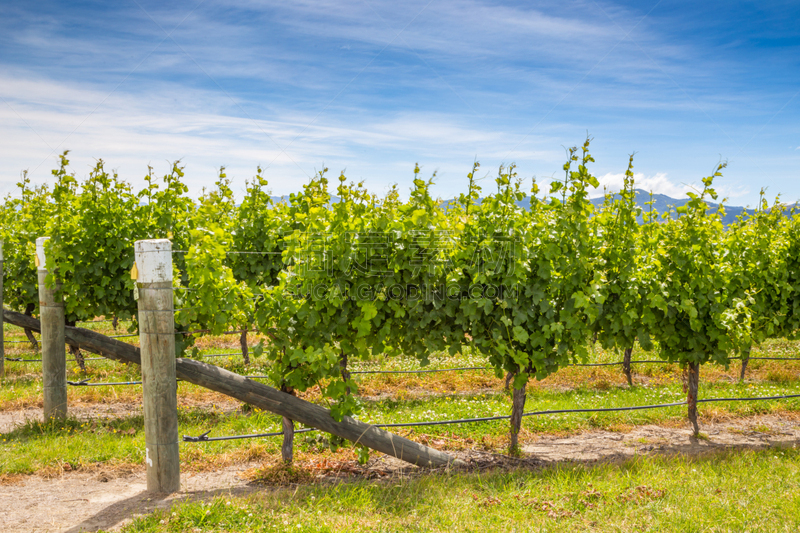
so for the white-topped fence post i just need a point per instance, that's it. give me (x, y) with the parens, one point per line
(157, 341)
(2, 341)
(54, 353)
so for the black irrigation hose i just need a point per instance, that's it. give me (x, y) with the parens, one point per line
(204, 437)
(19, 360)
(753, 399)
(85, 383)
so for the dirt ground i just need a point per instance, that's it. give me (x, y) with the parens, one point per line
(95, 411)
(80, 501)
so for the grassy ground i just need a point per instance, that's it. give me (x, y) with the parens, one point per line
(743, 491)
(118, 441)
(752, 491)
(110, 432)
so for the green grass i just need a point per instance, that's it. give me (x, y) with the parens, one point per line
(411, 398)
(38, 446)
(742, 491)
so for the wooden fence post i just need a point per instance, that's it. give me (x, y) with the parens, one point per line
(157, 340)
(54, 353)
(2, 345)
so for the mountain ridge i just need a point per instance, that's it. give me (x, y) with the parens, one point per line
(661, 203)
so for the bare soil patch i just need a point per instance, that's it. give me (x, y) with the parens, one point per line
(738, 433)
(88, 501)
(9, 420)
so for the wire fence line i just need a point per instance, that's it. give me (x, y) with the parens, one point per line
(254, 253)
(205, 438)
(85, 383)
(230, 253)
(422, 371)
(20, 360)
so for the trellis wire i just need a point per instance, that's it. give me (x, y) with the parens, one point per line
(645, 361)
(418, 371)
(259, 253)
(262, 253)
(208, 331)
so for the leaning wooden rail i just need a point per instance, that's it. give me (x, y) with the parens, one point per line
(256, 394)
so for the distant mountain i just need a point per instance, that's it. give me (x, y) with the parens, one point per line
(662, 204)
(279, 199)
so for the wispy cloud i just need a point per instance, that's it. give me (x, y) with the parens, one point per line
(129, 133)
(337, 85)
(657, 183)
(660, 183)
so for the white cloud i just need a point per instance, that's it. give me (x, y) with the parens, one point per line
(658, 183)
(41, 118)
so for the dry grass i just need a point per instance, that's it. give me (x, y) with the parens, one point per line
(279, 473)
(104, 471)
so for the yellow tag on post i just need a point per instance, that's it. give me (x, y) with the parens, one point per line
(134, 272)
(36, 260)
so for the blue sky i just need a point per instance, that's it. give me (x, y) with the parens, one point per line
(373, 87)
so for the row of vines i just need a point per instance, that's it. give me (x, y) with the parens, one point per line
(529, 279)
